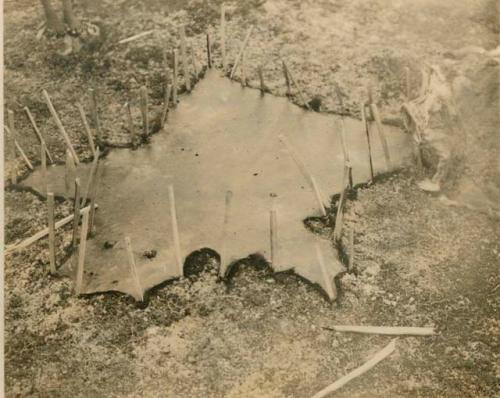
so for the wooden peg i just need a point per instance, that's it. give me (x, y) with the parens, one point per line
(166, 103)
(76, 213)
(82, 250)
(86, 127)
(43, 155)
(337, 233)
(242, 51)
(52, 233)
(299, 89)
(381, 133)
(209, 51)
(133, 268)
(69, 174)
(38, 132)
(93, 197)
(175, 230)
(130, 122)
(366, 126)
(92, 173)
(60, 126)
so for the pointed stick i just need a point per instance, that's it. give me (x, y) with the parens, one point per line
(95, 185)
(76, 213)
(93, 170)
(187, 75)
(287, 79)
(19, 148)
(242, 51)
(261, 78)
(52, 233)
(175, 79)
(166, 103)
(37, 132)
(133, 268)
(69, 174)
(144, 110)
(305, 172)
(337, 232)
(86, 127)
(94, 111)
(366, 126)
(130, 122)
(225, 227)
(381, 133)
(43, 155)
(330, 289)
(293, 81)
(385, 330)
(175, 230)
(342, 124)
(60, 126)
(273, 226)
(223, 36)
(379, 356)
(209, 51)
(135, 37)
(81, 250)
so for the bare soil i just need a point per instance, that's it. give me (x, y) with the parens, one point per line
(416, 263)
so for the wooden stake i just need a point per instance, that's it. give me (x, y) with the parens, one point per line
(166, 103)
(337, 233)
(385, 330)
(144, 110)
(175, 230)
(287, 80)
(23, 155)
(330, 288)
(93, 199)
(37, 132)
(130, 121)
(175, 79)
(242, 50)
(133, 268)
(292, 80)
(76, 213)
(43, 155)
(223, 36)
(225, 228)
(366, 126)
(187, 75)
(94, 110)
(261, 78)
(193, 61)
(39, 235)
(305, 172)
(209, 51)
(70, 173)
(86, 126)
(381, 133)
(273, 226)
(93, 170)
(81, 251)
(59, 124)
(52, 233)
(382, 354)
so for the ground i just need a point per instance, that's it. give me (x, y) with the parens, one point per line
(416, 263)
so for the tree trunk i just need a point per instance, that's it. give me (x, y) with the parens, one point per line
(53, 21)
(69, 17)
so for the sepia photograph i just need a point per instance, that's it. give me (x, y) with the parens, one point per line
(250, 198)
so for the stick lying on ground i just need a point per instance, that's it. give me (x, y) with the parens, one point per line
(135, 37)
(39, 235)
(388, 330)
(37, 132)
(379, 356)
(242, 50)
(301, 95)
(60, 126)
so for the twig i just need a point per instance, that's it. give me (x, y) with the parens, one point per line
(133, 268)
(242, 50)
(330, 289)
(86, 127)
(76, 213)
(301, 95)
(60, 126)
(379, 356)
(386, 330)
(187, 77)
(37, 132)
(135, 37)
(175, 79)
(81, 250)
(52, 233)
(366, 126)
(209, 51)
(223, 36)
(305, 172)
(175, 230)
